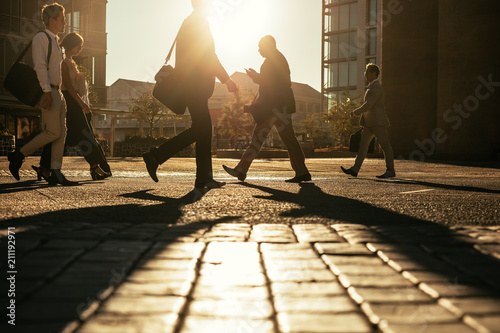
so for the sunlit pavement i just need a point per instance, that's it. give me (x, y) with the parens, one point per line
(418, 253)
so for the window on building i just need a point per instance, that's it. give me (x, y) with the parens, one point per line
(343, 17)
(342, 46)
(372, 42)
(342, 74)
(372, 12)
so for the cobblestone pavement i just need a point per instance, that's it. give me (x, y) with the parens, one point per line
(420, 253)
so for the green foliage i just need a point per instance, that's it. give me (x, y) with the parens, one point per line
(315, 125)
(148, 109)
(339, 116)
(234, 122)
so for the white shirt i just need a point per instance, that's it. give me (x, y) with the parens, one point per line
(40, 50)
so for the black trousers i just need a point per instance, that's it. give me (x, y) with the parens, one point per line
(201, 133)
(80, 133)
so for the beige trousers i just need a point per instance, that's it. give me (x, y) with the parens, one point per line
(283, 124)
(53, 130)
(380, 132)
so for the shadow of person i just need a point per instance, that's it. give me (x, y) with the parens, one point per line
(314, 202)
(29, 185)
(452, 260)
(437, 185)
(192, 196)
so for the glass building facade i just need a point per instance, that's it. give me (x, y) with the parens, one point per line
(351, 39)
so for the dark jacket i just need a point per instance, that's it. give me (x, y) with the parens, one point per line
(275, 85)
(195, 58)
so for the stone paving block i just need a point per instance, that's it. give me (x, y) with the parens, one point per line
(391, 247)
(109, 323)
(300, 275)
(231, 292)
(49, 310)
(417, 265)
(484, 323)
(440, 289)
(323, 323)
(348, 226)
(40, 271)
(176, 250)
(71, 290)
(388, 295)
(50, 257)
(408, 313)
(404, 255)
(41, 326)
(316, 233)
(444, 249)
(68, 244)
(249, 280)
(489, 249)
(379, 270)
(452, 276)
(283, 264)
(307, 289)
(476, 259)
(142, 305)
(267, 247)
(168, 264)
(161, 288)
(315, 304)
(146, 275)
(223, 308)
(290, 254)
(472, 305)
(229, 268)
(197, 324)
(349, 280)
(368, 260)
(234, 251)
(272, 233)
(426, 328)
(341, 248)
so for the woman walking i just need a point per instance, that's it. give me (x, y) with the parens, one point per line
(80, 132)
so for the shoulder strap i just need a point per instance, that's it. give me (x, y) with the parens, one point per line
(171, 50)
(29, 45)
(50, 48)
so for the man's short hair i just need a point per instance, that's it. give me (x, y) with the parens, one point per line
(372, 68)
(268, 41)
(51, 11)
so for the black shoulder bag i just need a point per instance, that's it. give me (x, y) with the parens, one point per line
(21, 80)
(169, 88)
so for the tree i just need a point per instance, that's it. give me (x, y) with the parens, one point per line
(339, 115)
(147, 108)
(315, 125)
(234, 122)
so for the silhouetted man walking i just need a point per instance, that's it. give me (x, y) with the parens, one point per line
(197, 65)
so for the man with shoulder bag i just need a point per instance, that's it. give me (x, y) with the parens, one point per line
(52, 102)
(196, 65)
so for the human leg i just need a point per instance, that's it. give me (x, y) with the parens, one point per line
(366, 137)
(295, 153)
(383, 140)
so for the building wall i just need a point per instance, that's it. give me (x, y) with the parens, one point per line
(433, 53)
(20, 20)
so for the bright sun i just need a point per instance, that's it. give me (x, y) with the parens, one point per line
(238, 25)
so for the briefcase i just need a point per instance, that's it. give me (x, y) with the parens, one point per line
(169, 89)
(355, 140)
(21, 80)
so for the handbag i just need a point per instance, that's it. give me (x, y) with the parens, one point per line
(22, 81)
(355, 140)
(169, 89)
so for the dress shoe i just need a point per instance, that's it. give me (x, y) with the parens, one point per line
(151, 165)
(98, 173)
(349, 171)
(387, 174)
(235, 173)
(56, 177)
(298, 179)
(41, 172)
(209, 185)
(16, 159)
